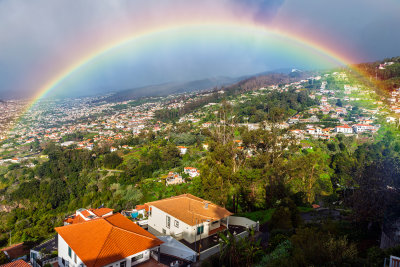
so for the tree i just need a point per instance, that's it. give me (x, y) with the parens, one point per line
(112, 160)
(310, 173)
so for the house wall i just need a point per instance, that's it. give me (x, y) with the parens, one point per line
(158, 222)
(63, 254)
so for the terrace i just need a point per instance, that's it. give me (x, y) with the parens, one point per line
(213, 239)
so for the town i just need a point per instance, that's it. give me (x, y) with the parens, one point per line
(184, 229)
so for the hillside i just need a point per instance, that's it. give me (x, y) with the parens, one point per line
(170, 88)
(386, 72)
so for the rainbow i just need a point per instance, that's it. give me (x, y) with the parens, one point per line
(255, 28)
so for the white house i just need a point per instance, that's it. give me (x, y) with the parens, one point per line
(191, 171)
(360, 128)
(173, 178)
(186, 217)
(346, 129)
(182, 150)
(108, 241)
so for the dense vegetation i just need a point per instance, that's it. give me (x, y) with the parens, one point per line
(266, 176)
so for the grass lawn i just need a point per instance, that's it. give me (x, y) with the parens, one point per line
(262, 216)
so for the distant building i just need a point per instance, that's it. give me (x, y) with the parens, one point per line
(192, 172)
(182, 150)
(173, 179)
(346, 129)
(360, 128)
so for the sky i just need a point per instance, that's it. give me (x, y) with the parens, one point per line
(42, 39)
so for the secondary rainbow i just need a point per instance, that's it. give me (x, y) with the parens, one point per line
(106, 48)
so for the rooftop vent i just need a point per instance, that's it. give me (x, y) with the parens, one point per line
(206, 205)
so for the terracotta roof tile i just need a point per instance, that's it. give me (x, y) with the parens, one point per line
(16, 251)
(18, 263)
(105, 240)
(85, 213)
(190, 209)
(102, 211)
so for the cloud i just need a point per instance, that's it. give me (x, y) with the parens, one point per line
(40, 38)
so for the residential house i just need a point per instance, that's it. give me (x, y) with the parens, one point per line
(173, 178)
(346, 129)
(186, 217)
(16, 251)
(182, 150)
(108, 241)
(360, 128)
(191, 171)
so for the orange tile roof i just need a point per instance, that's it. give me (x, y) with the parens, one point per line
(76, 219)
(18, 263)
(142, 207)
(85, 213)
(105, 240)
(101, 211)
(190, 209)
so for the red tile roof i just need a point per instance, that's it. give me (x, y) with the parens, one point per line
(108, 239)
(16, 251)
(18, 263)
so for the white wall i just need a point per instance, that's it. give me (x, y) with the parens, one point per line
(158, 221)
(63, 254)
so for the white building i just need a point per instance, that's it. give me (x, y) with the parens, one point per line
(186, 217)
(173, 178)
(182, 150)
(192, 172)
(346, 129)
(110, 241)
(360, 128)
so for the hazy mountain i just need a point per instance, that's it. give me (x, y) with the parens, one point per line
(171, 88)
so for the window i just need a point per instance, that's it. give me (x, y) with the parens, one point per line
(164, 231)
(200, 229)
(122, 264)
(75, 257)
(176, 224)
(69, 252)
(136, 258)
(168, 222)
(150, 212)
